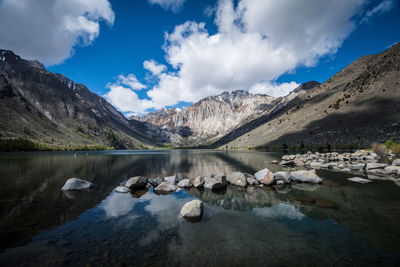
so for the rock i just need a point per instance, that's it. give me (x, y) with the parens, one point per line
(165, 188)
(136, 182)
(252, 181)
(305, 187)
(374, 165)
(156, 181)
(76, 184)
(396, 162)
(265, 176)
(377, 172)
(274, 162)
(392, 169)
(185, 183)
(357, 167)
(215, 183)
(346, 170)
(328, 165)
(305, 176)
(359, 180)
(192, 210)
(315, 165)
(170, 179)
(286, 157)
(121, 189)
(298, 162)
(280, 182)
(237, 178)
(287, 163)
(282, 176)
(198, 182)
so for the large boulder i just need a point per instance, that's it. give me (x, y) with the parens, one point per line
(214, 183)
(265, 176)
(165, 188)
(305, 176)
(396, 162)
(282, 176)
(192, 210)
(374, 165)
(76, 184)
(137, 182)
(237, 178)
(198, 182)
(185, 183)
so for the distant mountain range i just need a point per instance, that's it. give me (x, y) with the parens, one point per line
(357, 106)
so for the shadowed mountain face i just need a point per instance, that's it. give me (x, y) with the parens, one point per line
(357, 106)
(46, 107)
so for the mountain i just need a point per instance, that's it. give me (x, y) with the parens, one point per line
(49, 108)
(210, 118)
(356, 107)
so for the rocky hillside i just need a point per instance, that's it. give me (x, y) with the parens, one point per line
(356, 107)
(210, 118)
(38, 105)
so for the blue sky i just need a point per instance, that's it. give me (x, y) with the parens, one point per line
(257, 45)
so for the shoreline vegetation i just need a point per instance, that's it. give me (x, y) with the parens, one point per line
(13, 145)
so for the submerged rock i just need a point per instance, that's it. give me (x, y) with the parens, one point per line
(237, 178)
(265, 176)
(185, 183)
(359, 180)
(136, 182)
(165, 188)
(76, 184)
(192, 210)
(305, 176)
(121, 189)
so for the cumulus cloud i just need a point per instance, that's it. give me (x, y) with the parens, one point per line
(154, 67)
(173, 5)
(256, 42)
(273, 89)
(381, 8)
(47, 30)
(122, 95)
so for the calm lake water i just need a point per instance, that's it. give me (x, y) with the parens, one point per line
(337, 223)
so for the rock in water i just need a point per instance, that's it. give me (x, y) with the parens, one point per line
(192, 210)
(121, 189)
(216, 182)
(165, 188)
(156, 181)
(374, 165)
(76, 184)
(198, 182)
(237, 178)
(265, 176)
(170, 179)
(282, 176)
(136, 182)
(185, 183)
(359, 180)
(305, 176)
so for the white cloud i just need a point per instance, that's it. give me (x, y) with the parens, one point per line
(122, 95)
(173, 5)
(381, 8)
(131, 81)
(257, 41)
(154, 67)
(273, 89)
(47, 30)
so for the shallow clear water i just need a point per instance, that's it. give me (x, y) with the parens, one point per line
(336, 223)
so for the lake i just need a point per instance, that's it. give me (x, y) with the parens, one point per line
(337, 223)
